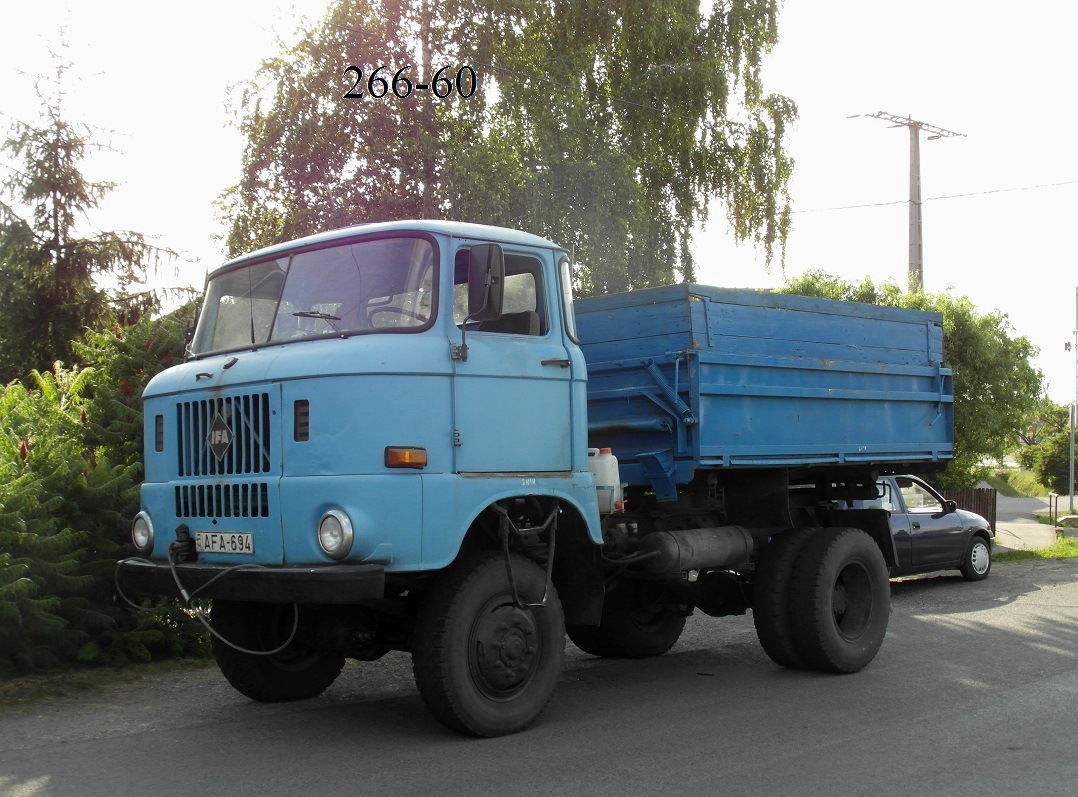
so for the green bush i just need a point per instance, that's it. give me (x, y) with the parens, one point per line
(1052, 463)
(70, 469)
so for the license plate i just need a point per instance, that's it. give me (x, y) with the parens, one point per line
(225, 542)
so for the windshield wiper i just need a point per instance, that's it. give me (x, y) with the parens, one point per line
(329, 319)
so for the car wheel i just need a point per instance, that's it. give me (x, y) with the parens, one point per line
(978, 559)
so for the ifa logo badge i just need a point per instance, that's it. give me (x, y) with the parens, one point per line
(220, 437)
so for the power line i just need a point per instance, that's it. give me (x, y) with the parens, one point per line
(940, 198)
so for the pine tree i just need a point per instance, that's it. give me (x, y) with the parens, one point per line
(50, 271)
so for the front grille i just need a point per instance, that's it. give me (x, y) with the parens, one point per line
(238, 443)
(223, 500)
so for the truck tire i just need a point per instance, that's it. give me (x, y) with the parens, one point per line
(977, 560)
(771, 597)
(296, 673)
(840, 600)
(637, 622)
(483, 666)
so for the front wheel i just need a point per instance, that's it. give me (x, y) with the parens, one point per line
(639, 620)
(977, 560)
(840, 600)
(483, 665)
(295, 673)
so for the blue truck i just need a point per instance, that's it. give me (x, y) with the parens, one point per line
(409, 436)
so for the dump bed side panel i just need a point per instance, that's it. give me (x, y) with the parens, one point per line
(687, 377)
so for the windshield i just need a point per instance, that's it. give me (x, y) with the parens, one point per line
(379, 285)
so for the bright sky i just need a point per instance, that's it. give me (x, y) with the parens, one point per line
(999, 203)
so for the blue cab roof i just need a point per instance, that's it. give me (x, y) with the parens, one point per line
(456, 229)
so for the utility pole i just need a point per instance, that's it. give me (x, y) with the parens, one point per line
(1074, 406)
(916, 258)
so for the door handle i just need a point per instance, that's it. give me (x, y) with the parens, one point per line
(915, 525)
(560, 361)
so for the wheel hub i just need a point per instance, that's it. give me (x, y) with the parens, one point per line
(838, 600)
(851, 600)
(505, 646)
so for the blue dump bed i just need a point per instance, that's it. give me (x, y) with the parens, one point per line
(686, 377)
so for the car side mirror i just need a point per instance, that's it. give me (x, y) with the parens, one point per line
(486, 282)
(949, 507)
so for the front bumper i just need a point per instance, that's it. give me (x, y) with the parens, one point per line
(340, 584)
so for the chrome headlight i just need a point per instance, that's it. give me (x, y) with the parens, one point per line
(142, 533)
(335, 533)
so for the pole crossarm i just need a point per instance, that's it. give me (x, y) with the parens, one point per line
(907, 121)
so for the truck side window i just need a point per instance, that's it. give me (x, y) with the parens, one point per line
(523, 308)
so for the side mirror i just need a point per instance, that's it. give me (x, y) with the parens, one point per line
(486, 282)
(948, 508)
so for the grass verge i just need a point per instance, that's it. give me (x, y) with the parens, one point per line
(1003, 487)
(1026, 484)
(1064, 548)
(27, 689)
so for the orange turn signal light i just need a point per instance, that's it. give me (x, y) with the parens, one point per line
(406, 457)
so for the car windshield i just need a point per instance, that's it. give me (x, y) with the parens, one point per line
(380, 285)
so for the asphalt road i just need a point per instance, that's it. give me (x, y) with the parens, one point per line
(1015, 524)
(1010, 509)
(975, 691)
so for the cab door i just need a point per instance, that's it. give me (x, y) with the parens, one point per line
(512, 405)
(936, 535)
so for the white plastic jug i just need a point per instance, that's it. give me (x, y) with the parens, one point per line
(604, 467)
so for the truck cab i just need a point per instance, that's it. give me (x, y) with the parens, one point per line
(361, 409)
(344, 377)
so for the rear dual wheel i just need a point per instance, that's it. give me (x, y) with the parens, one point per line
(822, 599)
(771, 597)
